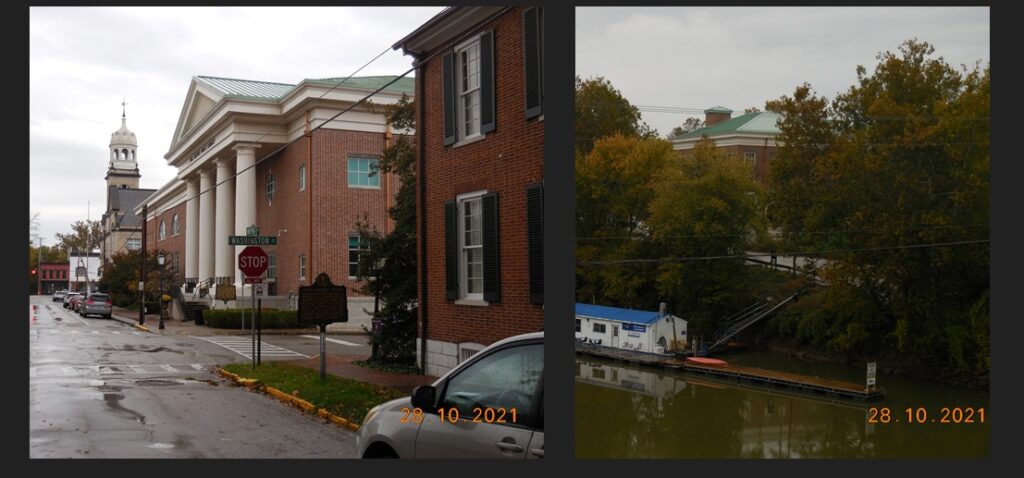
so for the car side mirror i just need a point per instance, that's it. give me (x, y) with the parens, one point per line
(423, 397)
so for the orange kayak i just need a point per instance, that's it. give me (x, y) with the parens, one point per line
(712, 362)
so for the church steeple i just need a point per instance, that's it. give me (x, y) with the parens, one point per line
(123, 169)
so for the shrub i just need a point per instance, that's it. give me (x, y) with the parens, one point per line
(232, 318)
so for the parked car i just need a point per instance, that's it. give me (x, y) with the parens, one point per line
(59, 295)
(68, 298)
(96, 304)
(489, 406)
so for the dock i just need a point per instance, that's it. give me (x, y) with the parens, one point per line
(735, 373)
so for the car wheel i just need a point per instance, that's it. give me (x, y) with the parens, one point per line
(380, 450)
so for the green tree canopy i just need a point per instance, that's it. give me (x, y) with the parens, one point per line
(84, 236)
(896, 171)
(601, 111)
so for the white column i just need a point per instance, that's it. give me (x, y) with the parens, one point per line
(192, 230)
(245, 194)
(224, 263)
(206, 209)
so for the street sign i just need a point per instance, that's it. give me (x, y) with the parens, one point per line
(252, 261)
(253, 280)
(872, 367)
(252, 230)
(252, 240)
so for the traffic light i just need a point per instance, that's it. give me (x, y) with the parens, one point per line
(33, 272)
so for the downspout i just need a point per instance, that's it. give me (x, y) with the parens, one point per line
(420, 170)
(309, 198)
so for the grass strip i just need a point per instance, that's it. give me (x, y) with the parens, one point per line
(348, 398)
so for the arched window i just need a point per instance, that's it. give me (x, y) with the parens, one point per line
(133, 155)
(163, 230)
(175, 225)
(270, 187)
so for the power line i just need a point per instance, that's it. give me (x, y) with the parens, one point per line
(796, 233)
(785, 254)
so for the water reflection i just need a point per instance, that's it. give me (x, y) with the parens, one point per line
(625, 411)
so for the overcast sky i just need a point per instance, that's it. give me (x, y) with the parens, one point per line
(700, 57)
(84, 60)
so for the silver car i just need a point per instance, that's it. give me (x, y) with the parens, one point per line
(490, 406)
(96, 304)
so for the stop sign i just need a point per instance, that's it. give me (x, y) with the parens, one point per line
(252, 261)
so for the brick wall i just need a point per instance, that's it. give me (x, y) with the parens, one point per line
(174, 243)
(506, 161)
(336, 206)
(765, 154)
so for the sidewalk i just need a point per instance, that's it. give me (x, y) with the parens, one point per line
(178, 327)
(342, 366)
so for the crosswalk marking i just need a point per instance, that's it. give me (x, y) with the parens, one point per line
(337, 341)
(106, 370)
(243, 346)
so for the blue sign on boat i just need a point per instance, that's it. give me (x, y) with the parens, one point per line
(634, 327)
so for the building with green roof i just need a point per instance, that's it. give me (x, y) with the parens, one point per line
(750, 136)
(298, 161)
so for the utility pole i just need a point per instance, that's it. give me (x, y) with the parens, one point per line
(88, 246)
(39, 268)
(142, 268)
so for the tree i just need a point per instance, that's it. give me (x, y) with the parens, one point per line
(691, 124)
(752, 109)
(705, 204)
(613, 192)
(900, 159)
(602, 111)
(389, 262)
(84, 236)
(121, 277)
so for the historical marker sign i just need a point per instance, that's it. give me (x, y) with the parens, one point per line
(872, 368)
(322, 303)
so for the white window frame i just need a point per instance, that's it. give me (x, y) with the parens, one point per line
(272, 265)
(163, 230)
(461, 91)
(133, 244)
(302, 177)
(474, 298)
(604, 328)
(750, 156)
(175, 225)
(370, 172)
(359, 248)
(269, 192)
(302, 266)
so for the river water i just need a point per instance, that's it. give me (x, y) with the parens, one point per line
(629, 411)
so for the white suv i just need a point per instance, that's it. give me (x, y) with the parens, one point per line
(490, 406)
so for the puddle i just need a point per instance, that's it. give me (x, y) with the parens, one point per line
(113, 401)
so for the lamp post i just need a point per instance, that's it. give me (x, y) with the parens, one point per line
(160, 261)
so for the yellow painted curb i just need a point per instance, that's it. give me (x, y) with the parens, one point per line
(289, 398)
(141, 327)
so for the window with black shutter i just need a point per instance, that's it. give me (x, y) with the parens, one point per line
(468, 84)
(533, 61)
(535, 240)
(451, 251)
(492, 274)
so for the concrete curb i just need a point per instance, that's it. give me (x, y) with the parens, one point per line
(131, 322)
(256, 385)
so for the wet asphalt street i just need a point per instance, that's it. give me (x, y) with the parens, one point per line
(101, 389)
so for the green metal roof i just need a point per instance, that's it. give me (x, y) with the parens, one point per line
(764, 122)
(260, 90)
(403, 85)
(269, 91)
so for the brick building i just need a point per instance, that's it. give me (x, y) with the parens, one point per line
(251, 153)
(750, 136)
(53, 276)
(480, 140)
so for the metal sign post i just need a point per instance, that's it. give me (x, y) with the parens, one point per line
(259, 330)
(322, 303)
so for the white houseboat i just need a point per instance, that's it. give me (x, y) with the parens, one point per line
(639, 330)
